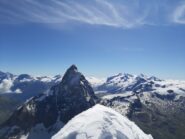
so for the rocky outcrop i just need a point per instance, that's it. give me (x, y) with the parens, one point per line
(64, 100)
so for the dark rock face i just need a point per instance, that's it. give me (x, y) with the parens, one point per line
(170, 96)
(65, 100)
(161, 122)
(74, 94)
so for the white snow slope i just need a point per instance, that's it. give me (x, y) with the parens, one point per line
(100, 122)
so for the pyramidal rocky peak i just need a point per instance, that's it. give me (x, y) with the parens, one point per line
(49, 112)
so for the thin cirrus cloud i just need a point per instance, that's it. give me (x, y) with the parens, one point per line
(120, 13)
(179, 14)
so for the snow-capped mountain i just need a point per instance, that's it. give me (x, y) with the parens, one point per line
(125, 82)
(43, 115)
(100, 122)
(157, 106)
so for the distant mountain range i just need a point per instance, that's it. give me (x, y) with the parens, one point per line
(157, 106)
(122, 82)
(24, 83)
(173, 89)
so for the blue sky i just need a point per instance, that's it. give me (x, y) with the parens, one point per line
(102, 37)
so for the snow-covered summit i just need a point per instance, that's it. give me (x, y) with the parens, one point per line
(100, 122)
(141, 83)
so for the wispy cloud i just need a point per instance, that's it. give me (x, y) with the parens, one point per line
(120, 13)
(179, 14)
